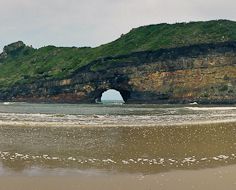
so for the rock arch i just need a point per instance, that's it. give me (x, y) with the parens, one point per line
(204, 73)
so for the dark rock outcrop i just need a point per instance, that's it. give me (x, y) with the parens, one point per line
(204, 73)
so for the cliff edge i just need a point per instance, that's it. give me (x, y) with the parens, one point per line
(163, 63)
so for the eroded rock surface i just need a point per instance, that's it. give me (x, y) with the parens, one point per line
(203, 73)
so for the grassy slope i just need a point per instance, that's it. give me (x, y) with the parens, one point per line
(52, 62)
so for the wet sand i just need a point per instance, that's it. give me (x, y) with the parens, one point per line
(207, 179)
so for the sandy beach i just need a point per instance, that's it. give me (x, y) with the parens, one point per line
(217, 179)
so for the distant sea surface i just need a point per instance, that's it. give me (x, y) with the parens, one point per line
(109, 108)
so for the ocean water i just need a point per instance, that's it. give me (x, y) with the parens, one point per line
(108, 107)
(146, 149)
(111, 108)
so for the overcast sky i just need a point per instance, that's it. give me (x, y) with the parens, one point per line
(94, 22)
(111, 95)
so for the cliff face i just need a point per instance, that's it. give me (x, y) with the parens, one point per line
(205, 73)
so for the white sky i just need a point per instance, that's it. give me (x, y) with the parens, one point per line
(94, 22)
(111, 95)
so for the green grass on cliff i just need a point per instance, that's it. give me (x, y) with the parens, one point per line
(26, 65)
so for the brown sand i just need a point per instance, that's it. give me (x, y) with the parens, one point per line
(207, 179)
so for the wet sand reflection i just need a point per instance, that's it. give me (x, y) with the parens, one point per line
(147, 150)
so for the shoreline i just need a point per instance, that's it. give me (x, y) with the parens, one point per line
(37, 116)
(107, 121)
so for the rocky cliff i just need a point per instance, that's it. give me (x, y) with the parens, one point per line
(163, 63)
(205, 73)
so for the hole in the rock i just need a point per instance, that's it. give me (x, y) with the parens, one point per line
(112, 96)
